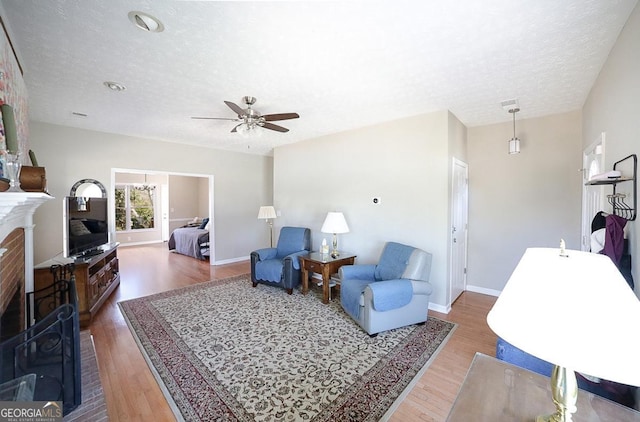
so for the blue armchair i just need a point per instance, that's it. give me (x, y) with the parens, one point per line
(280, 266)
(394, 293)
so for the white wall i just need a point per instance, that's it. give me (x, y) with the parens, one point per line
(185, 200)
(522, 200)
(405, 162)
(242, 181)
(203, 198)
(457, 138)
(612, 107)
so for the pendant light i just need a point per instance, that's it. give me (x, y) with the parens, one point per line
(514, 143)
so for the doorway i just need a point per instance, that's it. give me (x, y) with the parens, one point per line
(592, 196)
(459, 228)
(178, 199)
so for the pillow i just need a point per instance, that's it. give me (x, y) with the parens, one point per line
(76, 228)
(204, 223)
(207, 226)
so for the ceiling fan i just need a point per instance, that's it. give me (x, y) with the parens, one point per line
(250, 118)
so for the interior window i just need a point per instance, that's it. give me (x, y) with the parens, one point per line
(135, 207)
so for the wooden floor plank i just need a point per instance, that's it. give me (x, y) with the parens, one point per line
(133, 394)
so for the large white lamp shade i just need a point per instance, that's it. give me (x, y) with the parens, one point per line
(573, 309)
(335, 223)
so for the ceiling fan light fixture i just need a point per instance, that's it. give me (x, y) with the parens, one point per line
(242, 128)
(145, 21)
(248, 130)
(251, 118)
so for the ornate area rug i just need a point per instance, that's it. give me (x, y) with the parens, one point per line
(223, 350)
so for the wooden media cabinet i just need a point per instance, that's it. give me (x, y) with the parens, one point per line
(96, 278)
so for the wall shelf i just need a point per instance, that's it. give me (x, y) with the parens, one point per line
(608, 181)
(620, 200)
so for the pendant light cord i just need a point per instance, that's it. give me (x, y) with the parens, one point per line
(514, 111)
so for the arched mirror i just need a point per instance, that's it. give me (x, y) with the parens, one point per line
(88, 188)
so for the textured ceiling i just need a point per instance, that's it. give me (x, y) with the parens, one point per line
(340, 65)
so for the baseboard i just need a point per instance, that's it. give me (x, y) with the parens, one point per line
(484, 290)
(231, 260)
(439, 308)
(475, 289)
(146, 242)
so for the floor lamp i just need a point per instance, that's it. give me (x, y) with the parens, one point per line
(268, 213)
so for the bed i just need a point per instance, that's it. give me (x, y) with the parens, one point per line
(191, 241)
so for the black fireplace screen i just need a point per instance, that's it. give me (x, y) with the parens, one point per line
(50, 348)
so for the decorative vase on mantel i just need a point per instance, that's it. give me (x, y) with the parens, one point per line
(12, 167)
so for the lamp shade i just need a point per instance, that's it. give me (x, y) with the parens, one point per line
(334, 223)
(573, 310)
(514, 146)
(266, 212)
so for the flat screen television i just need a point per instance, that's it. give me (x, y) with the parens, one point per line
(86, 226)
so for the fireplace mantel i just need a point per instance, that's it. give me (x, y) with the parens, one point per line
(16, 210)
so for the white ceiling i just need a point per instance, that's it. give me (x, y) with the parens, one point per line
(340, 65)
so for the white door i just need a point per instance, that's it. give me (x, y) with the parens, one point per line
(164, 209)
(592, 196)
(459, 226)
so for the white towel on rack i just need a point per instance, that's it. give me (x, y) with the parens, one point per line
(613, 174)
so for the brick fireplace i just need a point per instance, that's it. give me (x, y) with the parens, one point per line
(47, 344)
(16, 256)
(12, 285)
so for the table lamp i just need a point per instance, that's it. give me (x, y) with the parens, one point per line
(572, 309)
(268, 213)
(335, 223)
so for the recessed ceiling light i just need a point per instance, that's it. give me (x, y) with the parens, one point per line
(115, 86)
(146, 22)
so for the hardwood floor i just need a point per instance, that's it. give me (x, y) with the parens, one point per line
(132, 393)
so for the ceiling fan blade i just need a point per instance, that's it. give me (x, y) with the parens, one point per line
(271, 126)
(235, 129)
(240, 112)
(280, 116)
(215, 118)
